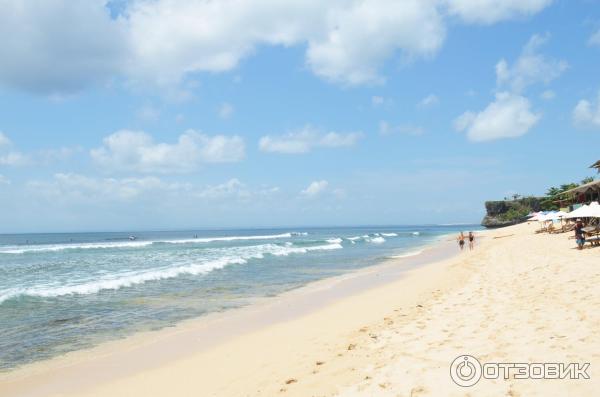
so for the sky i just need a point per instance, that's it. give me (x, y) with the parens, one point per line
(185, 114)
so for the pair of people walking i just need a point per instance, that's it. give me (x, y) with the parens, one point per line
(461, 240)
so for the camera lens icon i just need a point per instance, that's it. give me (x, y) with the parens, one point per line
(465, 370)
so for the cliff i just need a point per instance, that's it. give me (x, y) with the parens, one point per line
(506, 213)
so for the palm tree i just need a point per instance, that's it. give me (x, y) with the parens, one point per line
(587, 180)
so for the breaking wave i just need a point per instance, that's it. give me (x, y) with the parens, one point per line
(240, 255)
(133, 244)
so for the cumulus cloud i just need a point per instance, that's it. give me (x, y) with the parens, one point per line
(61, 46)
(594, 39)
(530, 68)
(509, 116)
(429, 100)
(357, 39)
(127, 150)
(315, 189)
(587, 113)
(492, 11)
(306, 139)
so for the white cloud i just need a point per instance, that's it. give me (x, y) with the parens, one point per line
(385, 128)
(491, 11)
(76, 186)
(4, 180)
(530, 68)
(357, 39)
(429, 100)
(127, 151)
(548, 95)
(234, 189)
(73, 188)
(315, 189)
(9, 157)
(225, 110)
(508, 116)
(304, 140)
(61, 46)
(346, 41)
(587, 113)
(15, 159)
(594, 39)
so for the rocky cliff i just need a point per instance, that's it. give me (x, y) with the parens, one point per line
(506, 213)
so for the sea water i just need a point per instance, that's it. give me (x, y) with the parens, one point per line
(64, 292)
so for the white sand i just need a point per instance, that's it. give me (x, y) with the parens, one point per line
(520, 298)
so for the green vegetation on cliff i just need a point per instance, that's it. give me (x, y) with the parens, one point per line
(510, 211)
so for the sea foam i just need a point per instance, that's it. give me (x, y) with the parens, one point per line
(238, 255)
(132, 244)
(407, 254)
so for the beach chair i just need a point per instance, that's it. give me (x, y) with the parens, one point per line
(594, 241)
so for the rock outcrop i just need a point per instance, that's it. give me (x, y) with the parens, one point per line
(506, 213)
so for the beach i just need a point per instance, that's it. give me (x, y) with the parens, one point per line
(519, 297)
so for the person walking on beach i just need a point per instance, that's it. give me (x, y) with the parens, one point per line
(580, 238)
(461, 240)
(471, 241)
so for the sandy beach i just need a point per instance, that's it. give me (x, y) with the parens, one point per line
(519, 297)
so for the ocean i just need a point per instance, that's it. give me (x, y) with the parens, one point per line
(61, 292)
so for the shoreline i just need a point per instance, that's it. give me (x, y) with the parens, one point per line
(519, 297)
(220, 327)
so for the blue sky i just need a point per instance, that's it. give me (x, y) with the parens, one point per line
(171, 114)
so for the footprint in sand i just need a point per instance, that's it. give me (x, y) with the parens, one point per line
(417, 391)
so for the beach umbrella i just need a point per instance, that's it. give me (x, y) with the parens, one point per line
(548, 216)
(555, 215)
(580, 212)
(537, 216)
(594, 210)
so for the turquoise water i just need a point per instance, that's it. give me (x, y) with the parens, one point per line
(64, 292)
